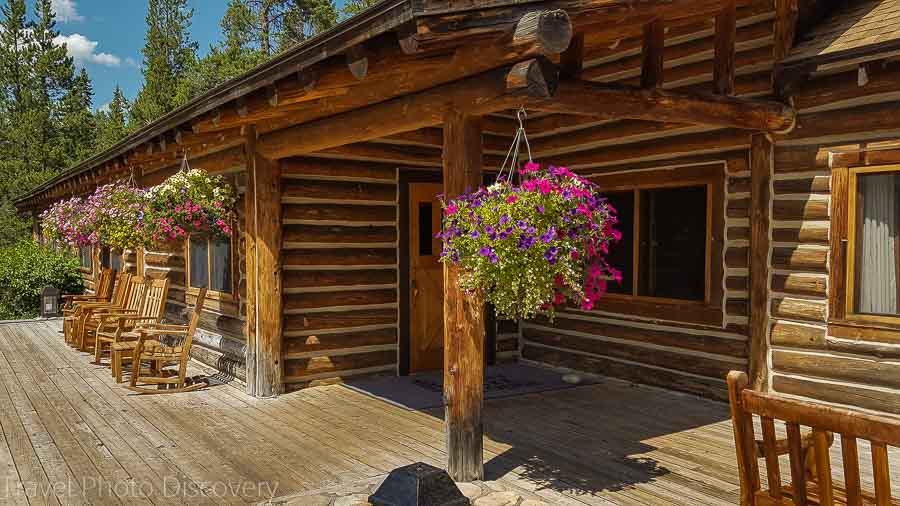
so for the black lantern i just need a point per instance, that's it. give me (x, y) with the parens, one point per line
(49, 302)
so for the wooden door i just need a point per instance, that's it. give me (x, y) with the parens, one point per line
(426, 279)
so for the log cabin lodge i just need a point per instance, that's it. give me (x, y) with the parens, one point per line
(752, 148)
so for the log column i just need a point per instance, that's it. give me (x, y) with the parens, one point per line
(761, 167)
(262, 237)
(463, 315)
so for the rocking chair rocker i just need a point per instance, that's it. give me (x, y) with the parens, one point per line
(149, 348)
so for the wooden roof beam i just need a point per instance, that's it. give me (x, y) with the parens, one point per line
(611, 101)
(454, 27)
(495, 90)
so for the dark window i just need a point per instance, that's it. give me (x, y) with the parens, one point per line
(673, 243)
(426, 234)
(670, 225)
(621, 254)
(84, 254)
(210, 264)
(111, 259)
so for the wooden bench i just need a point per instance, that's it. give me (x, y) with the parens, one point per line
(810, 463)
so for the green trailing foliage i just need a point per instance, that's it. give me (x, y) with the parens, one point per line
(25, 269)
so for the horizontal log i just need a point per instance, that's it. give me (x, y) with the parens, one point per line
(738, 185)
(495, 90)
(800, 259)
(738, 208)
(738, 233)
(817, 184)
(839, 368)
(831, 90)
(799, 284)
(343, 341)
(338, 235)
(800, 210)
(336, 212)
(790, 159)
(504, 345)
(854, 395)
(680, 362)
(315, 300)
(674, 339)
(805, 234)
(868, 118)
(665, 148)
(737, 283)
(711, 388)
(791, 335)
(337, 169)
(339, 320)
(737, 306)
(325, 279)
(737, 257)
(799, 309)
(339, 257)
(507, 326)
(169, 261)
(618, 101)
(338, 190)
(297, 368)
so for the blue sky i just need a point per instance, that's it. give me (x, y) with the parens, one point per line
(106, 37)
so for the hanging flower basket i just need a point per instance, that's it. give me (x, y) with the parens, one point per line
(530, 248)
(70, 222)
(191, 201)
(119, 208)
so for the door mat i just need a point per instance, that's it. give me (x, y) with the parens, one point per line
(425, 390)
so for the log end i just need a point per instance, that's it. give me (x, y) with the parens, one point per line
(537, 77)
(550, 31)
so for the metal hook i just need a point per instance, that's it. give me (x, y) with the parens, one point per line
(185, 166)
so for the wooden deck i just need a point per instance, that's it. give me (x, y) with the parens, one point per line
(71, 436)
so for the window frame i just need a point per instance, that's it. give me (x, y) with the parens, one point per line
(710, 310)
(90, 257)
(844, 214)
(210, 293)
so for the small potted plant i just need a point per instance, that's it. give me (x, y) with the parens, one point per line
(531, 247)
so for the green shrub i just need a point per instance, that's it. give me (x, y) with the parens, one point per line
(25, 269)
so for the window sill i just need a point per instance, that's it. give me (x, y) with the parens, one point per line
(223, 303)
(865, 330)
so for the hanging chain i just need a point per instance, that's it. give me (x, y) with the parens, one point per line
(185, 166)
(131, 182)
(512, 156)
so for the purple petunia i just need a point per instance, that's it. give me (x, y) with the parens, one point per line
(550, 254)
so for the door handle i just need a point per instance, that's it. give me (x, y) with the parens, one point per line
(415, 289)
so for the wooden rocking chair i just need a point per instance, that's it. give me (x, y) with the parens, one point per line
(114, 327)
(103, 293)
(90, 322)
(149, 348)
(73, 320)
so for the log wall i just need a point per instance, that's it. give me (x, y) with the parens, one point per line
(663, 351)
(220, 341)
(838, 112)
(340, 270)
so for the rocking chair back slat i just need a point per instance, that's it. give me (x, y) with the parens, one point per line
(121, 289)
(155, 298)
(135, 299)
(105, 284)
(810, 456)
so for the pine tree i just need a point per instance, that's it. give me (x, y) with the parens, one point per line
(354, 7)
(53, 78)
(79, 129)
(112, 124)
(15, 54)
(168, 53)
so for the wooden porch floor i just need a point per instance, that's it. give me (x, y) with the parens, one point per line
(70, 435)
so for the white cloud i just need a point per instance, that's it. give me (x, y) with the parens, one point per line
(65, 10)
(82, 50)
(104, 107)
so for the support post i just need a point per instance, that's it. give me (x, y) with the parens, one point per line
(723, 61)
(262, 236)
(761, 168)
(463, 315)
(652, 54)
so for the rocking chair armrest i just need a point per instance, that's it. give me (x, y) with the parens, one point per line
(115, 311)
(84, 298)
(163, 326)
(143, 331)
